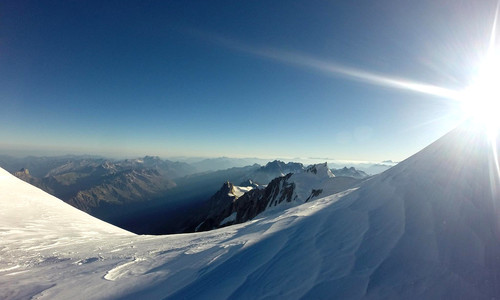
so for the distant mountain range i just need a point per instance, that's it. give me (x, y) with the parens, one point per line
(147, 195)
(85, 183)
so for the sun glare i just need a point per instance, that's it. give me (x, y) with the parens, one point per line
(481, 100)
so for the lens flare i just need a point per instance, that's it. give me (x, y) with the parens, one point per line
(481, 100)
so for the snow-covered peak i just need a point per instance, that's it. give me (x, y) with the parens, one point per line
(274, 169)
(349, 172)
(280, 166)
(315, 181)
(320, 170)
(233, 191)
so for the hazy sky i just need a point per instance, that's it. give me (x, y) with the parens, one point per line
(334, 79)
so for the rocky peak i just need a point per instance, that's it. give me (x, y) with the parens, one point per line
(278, 165)
(274, 165)
(219, 206)
(24, 174)
(349, 172)
(23, 171)
(320, 170)
(227, 188)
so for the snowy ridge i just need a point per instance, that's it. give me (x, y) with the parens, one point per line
(231, 206)
(425, 229)
(20, 205)
(315, 178)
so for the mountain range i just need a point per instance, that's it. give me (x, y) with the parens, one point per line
(237, 204)
(146, 195)
(425, 229)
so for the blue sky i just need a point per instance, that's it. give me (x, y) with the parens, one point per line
(233, 78)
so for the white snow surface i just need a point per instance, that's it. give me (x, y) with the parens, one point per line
(425, 229)
(238, 191)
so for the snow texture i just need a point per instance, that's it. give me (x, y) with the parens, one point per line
(425, 229)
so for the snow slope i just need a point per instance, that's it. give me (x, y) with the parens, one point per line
(425, 229)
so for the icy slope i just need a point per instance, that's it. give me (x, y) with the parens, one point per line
(425, 229)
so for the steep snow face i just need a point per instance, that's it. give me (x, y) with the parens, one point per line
(430, 226)
(20, 206)
(425, 229)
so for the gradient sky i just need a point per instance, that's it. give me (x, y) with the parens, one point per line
(234, 78)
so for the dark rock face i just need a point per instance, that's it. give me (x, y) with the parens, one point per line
(314, 193)
(220, 207)
(246, 207)
(254, 202)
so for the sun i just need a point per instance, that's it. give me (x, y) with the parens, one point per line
(481, 100)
